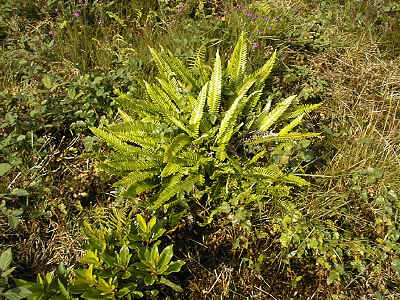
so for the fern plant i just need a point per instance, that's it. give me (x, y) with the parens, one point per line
(204, 133)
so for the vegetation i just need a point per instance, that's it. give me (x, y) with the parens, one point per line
(252, 149)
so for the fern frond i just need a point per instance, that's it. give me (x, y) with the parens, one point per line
(125, 117)
(220, 152)
(177, 145)
(256, 157)
(285, 130)
(160, 98)
(115, 142)
(176, 186)
(237, 63)
(291, 178)
(288, 137)
(172, 92)
(301, 109)
(262, 73)
(135, 177)
(134, 165)
(229, 121)
(139, 127)
(163, 67)
(180, 69)
(196, 61)
(271, 172)
(215, 87)
(170, 169)
(197, 113)
(266, 122)
(140, 107)
(196, 64)
(138, 138)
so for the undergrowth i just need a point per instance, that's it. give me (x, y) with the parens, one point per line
(66, 66)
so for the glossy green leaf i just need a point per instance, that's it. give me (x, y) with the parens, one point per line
(172, 285)
(5, 259)
(174, 267)
(141, 223)
(165, 256)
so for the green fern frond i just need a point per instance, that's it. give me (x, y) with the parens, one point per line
(229, 121)
(161, 99)
(288, 137)
(135, 177)
(139, 127)
(125, 117)
(301, 109)
(196, 64)
(215, 87)
(291, 178)
(188, 158)
(197, 113)
(134, 165)
(262, 73)
(170, 169)
(177, 145)
(285, 130)
(220, 152)
(237, 63)
(172, 92)
(115, 142)
(163, 67)
(145, 141)
(266, 122)
(176, 186)
(140, 107)
(180, 69)
(271, 172)
(256, 157)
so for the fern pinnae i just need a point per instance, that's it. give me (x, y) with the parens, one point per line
(160, 99)
(228, 118)
(228, 122)
(237, 63)
(134, 165)
(215, 86)
(172, 92)
(125, 117)
(177, 145)
(180, 69)
(113, 141)
(135, 177)
(274, 115)
(262, 73)
(292, 136)
(285, 130)
(197, 113)
(170, 169)
(302, 109)
(294, 179)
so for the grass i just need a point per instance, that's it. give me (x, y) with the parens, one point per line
(57, 76)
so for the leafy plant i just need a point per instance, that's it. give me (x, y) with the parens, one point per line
(120, 262)
(207, 132)
(120, 265)
(5, 272)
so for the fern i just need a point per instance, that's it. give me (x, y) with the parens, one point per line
(266, 122)
(293, 136)
(237, 63)
(214, 91)
(197, 113)
(177, 141)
